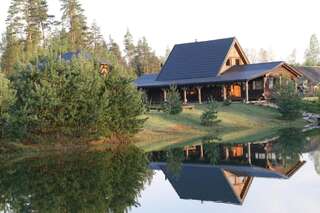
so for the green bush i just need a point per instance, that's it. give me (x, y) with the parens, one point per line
(7, 99)
(210, 116)
(70, 99)
(173, 105)
(121, 108)
(288, 100)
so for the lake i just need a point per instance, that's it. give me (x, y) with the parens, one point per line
(280, 175)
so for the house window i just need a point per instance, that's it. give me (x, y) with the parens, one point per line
(257, 85)
(271, 83)
(228, 63)
(237, 61)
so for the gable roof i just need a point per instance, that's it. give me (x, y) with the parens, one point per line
(311, 73)
(196, 60)
(202, 182)
(235, 73)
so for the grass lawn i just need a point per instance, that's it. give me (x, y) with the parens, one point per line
(239, 123)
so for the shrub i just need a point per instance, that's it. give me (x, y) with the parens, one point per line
(122, 107)
(210, 116)
(288, 101)
(7, 99)
(70, 99)
(173, 105)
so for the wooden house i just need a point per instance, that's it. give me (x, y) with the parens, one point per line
(217, 69)
(229, 179)
(310, 82)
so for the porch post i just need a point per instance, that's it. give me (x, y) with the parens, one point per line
(184, 95)
(247, 91)
(249, 153)
(187, 153)
(224, 92)
(164, 94)
(264, 86)
(199, 95)
(201, 151)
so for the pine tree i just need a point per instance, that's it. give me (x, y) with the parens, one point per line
(210, 116)
(11, 51)
(129, 48)
(32, 30)
(114, 49)
(173, 105)
(96, 41)
(75, 21)
(145, 60)
(11, 46)
(312, 54)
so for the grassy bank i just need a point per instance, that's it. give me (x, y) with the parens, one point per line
(239, 123)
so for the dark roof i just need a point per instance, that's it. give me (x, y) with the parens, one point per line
(235, 73)
(311, 73)
(68, 56)
(202, 182)
(195, 60)
(253, 171)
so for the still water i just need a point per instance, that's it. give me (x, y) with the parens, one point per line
(282, 175)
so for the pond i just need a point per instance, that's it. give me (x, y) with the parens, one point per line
(281, 175)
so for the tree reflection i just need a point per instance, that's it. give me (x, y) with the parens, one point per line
(175, 156)
(79, 182)
(290, 145)
(211, 148)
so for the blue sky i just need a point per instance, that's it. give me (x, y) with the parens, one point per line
(277, 25)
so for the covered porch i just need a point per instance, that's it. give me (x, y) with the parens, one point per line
(244, 91)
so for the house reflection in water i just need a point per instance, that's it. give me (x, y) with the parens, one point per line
(229, 178)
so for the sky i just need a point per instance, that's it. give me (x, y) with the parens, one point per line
(277, 25)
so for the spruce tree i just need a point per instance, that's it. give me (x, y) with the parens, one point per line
(173, 105)
(210, 116)
(312, 54)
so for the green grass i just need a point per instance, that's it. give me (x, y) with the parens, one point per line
(239, 123)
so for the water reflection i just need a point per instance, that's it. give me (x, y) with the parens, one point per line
(112, 180)
(224, 172)
(79, 182)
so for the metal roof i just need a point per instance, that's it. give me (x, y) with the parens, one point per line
(235, 73)
(311, 73)
(195, 60)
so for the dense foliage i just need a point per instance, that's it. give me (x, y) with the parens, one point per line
(173, 104)
(288, 100)
(77, 182)
(61, 99)
(7, 99)
(209, 116)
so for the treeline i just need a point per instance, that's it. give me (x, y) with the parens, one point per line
(311, 54)
(47, 98)
(31, 31)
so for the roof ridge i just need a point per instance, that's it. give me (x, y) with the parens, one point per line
(205, 41)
